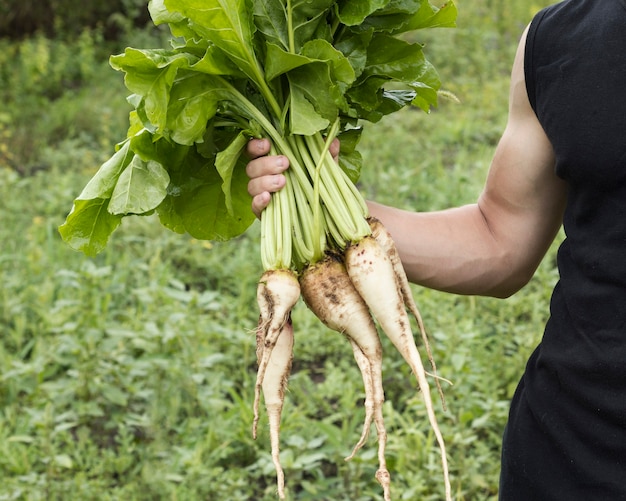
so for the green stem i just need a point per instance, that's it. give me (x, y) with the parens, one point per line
(268, 238)
(292, 43)
(318, 223)
(280, 142)
(345, 182)
(342, 203)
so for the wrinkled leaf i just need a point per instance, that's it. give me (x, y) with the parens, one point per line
(429, 16)
(225, 163)
(215, 62)
(196, 202)
(205, 216)
(102, 183)
(341, 70)
(392, 60)
(226, 23)
(150, 74)
(141, 187)
(350, 159)
(354, 13)
(89, 226)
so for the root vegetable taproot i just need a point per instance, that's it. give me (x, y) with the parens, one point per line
(274, 386)
(385, 240)
(371, 271)
(278, 291)
(328, 291)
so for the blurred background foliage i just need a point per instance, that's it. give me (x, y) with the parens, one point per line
(68, 18)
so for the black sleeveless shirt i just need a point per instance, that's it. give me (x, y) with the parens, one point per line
(566, 436)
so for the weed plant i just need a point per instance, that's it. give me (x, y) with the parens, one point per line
(130, 376)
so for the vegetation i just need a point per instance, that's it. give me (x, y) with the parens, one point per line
(131, 375)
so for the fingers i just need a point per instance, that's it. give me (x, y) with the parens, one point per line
(260, 202)
(258, 147)
(266, 177)
(334, 149)
(266, 171)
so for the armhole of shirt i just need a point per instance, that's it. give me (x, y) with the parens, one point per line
(529, 64)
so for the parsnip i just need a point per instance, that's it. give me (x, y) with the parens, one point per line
(277, 293)
(329, 293)
(373, 276)
(274, 386)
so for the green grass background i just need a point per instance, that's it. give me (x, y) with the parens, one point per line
(130, 376)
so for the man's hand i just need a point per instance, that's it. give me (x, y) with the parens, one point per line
(266, 172)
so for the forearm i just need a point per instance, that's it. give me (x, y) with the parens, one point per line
(454, 250)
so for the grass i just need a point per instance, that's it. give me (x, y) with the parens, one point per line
(130, 376)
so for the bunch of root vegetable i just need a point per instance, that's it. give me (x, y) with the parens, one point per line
(346, 291)
(300, 73)
(350, 279)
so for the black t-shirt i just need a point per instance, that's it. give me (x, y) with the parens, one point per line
(566, 436)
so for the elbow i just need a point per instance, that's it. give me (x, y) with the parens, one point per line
(505, 291)
(513, 279)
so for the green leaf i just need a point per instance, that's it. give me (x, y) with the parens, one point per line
(89, 226)
(350, 159)
(160, 14)
(215, 62)
(225, 163)
(426, 87)
(141, 187)
(341, 70)
(354, 13)
(169, 154)
(226, 23)
(304, 119)
(270, 18)
(279, 61)
(312, 99)
(310, 20)
(114, 395)
(103, 182)
(393, 17)
(64, 461)
(317, 89)
(24, 439)
(205, 216)
(169, 217)
(354, 48)
(196, 201)
(177, 22)
(392, 60)
(431, 17)
(150, 74)
(194, 102)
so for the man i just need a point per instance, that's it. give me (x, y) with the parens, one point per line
(561, 160)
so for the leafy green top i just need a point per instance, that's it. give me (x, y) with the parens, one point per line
(248, 68)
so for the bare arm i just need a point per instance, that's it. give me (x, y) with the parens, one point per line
(492, 247)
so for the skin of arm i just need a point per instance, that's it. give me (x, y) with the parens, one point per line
(491, 247)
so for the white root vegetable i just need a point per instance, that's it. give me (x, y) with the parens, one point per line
(385, 240)
(274, 386)
(277, 293)
(372, 274)
(329, 293)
